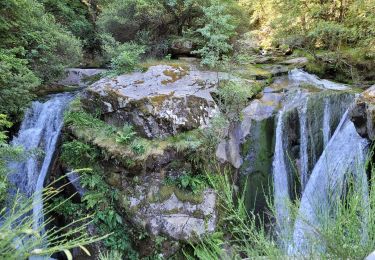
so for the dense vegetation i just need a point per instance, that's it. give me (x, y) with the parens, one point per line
(39, 39)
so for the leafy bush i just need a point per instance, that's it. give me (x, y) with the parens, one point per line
(16, 84)
(234, 96)
(127, 59)
(99, 199)
(138, 146)
(78, 154)
(49, 47)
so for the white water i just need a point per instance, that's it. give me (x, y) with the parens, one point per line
(40, 129)
(281, 186)
(344, 154)
(304, 157)
(326, 122)
(300, 76)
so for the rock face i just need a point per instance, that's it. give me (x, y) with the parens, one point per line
(363, 114)
(76, 76)
(166, 210)
(182, 47)
(163, 101)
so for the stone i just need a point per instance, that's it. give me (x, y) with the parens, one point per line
(163, 101)
(296, 61)
(363, 114)
(167, 214)
(78, 77)
(229, 150)
(182, 47)
(371, 256)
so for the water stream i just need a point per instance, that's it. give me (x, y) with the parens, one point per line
(40, 131)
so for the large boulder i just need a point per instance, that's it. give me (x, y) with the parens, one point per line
(363, 114)
(166, 210)
(160, 102)
(182, 47)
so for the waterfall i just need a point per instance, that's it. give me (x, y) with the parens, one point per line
(40, 130)
(281, 185)
(344, 154)
(326, 122)
(304, 158)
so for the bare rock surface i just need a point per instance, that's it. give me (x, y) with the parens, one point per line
(162, 101)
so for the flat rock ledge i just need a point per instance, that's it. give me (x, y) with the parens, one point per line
(163, 101)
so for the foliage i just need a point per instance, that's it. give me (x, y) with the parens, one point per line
(99, 199)
(73, 152)
(79, 18)
(234, 96)
(189, 182)
(126, 135)
(16, 84)
(127, 59)
(6, 153)
(48, 47)
(216, 33)
(19, 240)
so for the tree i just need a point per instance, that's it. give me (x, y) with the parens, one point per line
(17, 83)
(216, 34)
(48, 46)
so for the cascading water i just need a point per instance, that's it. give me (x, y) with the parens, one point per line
(344, 154)
(304, 157)
(318, 113)
(281, 185)
(40, 129)
(326, 122)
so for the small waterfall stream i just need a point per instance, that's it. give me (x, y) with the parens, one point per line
(40, 130)
(344, 154)
(322, 161)
(326, 122)
(304, 157)
(281, 185)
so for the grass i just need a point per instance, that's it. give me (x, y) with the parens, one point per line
(19, 239)
(348, 232)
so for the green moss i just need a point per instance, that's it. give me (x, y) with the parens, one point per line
(166, 191)
(177, 73)
(133, 154)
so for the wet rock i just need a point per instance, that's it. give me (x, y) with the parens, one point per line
(160, 102)
(229, 150)
(363, 114)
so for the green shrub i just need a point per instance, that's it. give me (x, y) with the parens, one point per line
(16, 84)
(138, 146)
(127, 59)
(78, 154)
(49, 47)
(188, 182)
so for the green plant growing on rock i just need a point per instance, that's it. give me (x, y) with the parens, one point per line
(99, 199)
(138, 147)
(126, 135)
(188, 182)
(234, 96)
